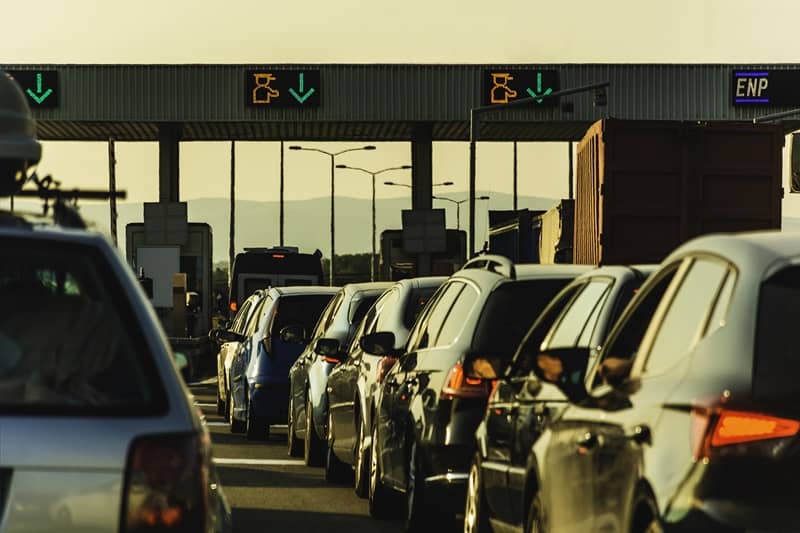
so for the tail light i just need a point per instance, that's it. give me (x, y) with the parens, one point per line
(233, 307)
(329, 359)
(384, 365)
(458, 385)
(713, 432)
(165, 487)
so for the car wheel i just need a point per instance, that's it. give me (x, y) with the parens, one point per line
(417, 517)
(313, 446)
(361, 462)
(379, 504)
(476, 512)
(335, 470)
(220, 404)
(257, 428)
(293, 443)
(533, 523)
(237, 426)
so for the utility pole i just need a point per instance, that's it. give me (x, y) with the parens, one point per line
(281, 198)
(231, 238)
(515, 175)
(112, 186)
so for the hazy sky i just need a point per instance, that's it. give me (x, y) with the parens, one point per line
(357, 31)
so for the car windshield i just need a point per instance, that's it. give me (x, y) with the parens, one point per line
(91, 356)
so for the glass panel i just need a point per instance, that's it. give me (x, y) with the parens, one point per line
(580, 317)
(90, 356)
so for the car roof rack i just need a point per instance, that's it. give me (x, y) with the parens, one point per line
(65, 202)
(493, 263)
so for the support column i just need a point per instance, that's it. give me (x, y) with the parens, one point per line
(169, 136)
(112, 187)
(422, 180)
(571, 172)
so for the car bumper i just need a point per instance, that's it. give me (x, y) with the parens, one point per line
(447, 471)
(270, 402)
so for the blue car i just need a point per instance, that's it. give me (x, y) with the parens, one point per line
(260, 373)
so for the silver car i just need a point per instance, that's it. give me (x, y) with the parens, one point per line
(97, 430)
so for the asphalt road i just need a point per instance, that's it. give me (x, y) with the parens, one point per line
(270, 491)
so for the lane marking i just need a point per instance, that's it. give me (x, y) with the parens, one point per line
(209, 381)
(258, 462)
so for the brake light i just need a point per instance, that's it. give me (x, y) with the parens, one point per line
(165, 487)
(278, 256)
(458, 385)
(728, 427)
(233, 307)
(734, 427)
(332, 360)
(384, 365)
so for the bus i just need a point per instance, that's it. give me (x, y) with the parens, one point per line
(260, 268)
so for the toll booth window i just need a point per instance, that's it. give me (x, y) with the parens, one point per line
(69, 341)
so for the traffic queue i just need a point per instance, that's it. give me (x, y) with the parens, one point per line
(516, 397)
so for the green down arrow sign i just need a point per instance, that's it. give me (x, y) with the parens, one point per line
(39, 96)
(538, 91)
(301, 95)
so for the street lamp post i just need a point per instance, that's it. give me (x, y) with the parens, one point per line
(373, 174)
(332, 155)
(458, 206)
(406, 185)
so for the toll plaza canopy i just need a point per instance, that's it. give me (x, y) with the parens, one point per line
(340, 102)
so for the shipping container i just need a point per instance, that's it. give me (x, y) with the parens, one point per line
(644, 187)
(556, 233)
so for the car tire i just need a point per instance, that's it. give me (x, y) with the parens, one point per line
(335, 470)
(361, 461)
(476, 511)
(379, 496)
(533, 522)
(220, 404)
(236, 426)
(312, 453)
(293, 443)
(417, 517)
(256, 428)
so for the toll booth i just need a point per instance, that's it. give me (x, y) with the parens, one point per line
(159, 262)
(396, 263)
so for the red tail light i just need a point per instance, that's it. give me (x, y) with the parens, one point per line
(384, 365)
(165, 488)
(233, 307)
(458, 385)
(727, 427)
(331, 360)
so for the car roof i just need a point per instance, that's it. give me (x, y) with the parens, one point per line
(422, 282)
(369, 286)
(484, 277)
(13, 225)
(752, 250)
(619, 271)
(305, 289)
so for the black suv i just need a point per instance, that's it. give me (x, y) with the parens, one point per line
(428, 410)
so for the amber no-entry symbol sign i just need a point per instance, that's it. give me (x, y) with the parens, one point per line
(274, 88)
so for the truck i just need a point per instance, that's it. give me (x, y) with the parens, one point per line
(526, 236)
(645, 187)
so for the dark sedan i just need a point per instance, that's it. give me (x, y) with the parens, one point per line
(428, 410)
(504, 467)
(352, 384)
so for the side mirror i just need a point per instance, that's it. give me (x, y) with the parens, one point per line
(328, 348)
(227, 324)
(229, 336)
(565, 368)
(294, 334)
(379, 343)
(479, 368)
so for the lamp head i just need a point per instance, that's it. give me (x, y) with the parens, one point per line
(295, 147)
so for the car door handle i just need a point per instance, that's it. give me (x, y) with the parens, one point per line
(641, 435)
(587, 442)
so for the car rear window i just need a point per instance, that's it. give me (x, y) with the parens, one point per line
(69, 340)
(301, 309)
(777, 355)
(508, 314)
